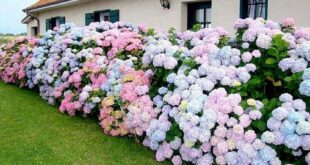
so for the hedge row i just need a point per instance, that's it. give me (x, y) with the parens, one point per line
(195, 97)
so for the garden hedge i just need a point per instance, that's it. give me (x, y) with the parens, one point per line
(195, 97)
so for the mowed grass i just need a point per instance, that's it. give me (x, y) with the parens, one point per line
(33, 132)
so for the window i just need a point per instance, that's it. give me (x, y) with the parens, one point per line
(34, 31)
(54, 22)
(103, 15)
(253, 8)
(199, 13)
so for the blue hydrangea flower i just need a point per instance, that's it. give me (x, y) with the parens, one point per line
(286, 97)
(295, 117)
(306, 74)
(267, 154)
(287, 128)
(303, 127)
(304, 88)
(292, 141)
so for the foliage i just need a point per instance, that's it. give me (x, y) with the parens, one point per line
(196, 97)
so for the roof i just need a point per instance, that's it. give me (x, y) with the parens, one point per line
(43, 3)
(26, 19)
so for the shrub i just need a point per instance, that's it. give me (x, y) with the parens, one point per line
(197, 97)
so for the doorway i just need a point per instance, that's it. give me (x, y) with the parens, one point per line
(34, 31)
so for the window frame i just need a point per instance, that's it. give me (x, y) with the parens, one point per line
(192, 8)
(244, 8)
(114, 16)
(56, 22)
(97, 14)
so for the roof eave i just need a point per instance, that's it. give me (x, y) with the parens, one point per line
(26, 19)
(47, 6)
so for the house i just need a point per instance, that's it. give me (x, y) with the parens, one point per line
(161, 14)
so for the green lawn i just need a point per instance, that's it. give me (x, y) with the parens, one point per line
(33, 132)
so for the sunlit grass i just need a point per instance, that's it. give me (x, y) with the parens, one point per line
(33, 132)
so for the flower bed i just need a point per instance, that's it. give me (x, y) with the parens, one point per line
(197, 97)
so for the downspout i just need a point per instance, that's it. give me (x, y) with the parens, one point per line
(35, 19)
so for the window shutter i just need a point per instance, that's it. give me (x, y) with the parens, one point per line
(62, 20)
(89, 18)
(48, 24)
(114, 16)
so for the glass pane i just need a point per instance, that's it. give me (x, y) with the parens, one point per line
(251, 11)
(258, 11)
(256, 8)
(57, 22)
(208, 15)
(200, 15)
(104, 16)
(263, 14)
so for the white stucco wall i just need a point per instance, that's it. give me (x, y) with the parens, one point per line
(32, 23)
(147, 12)
(297, 9)
(225, 13)
(150, 12)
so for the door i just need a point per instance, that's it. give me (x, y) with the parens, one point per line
(199, 13)
(34, 31)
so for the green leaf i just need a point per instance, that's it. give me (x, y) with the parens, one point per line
(270, 61)
(189, 62)
(244, 104)
(272, 103)
(186, 72)
(150, 32)
(196, 27)
(273, 51)
(297, 76)
(174, 131)
(255, 81)
(260, 125)
(243, 94)
(265, 101)
(288, 79)
(280, 43)
(268, 74)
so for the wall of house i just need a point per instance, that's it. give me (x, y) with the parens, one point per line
(297, 9)
(150, 12)
(32, 23)
(147, 12)
(225, 13)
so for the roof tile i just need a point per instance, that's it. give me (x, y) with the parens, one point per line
(42, 3)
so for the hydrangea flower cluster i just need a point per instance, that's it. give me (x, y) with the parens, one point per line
(187, 95)
(210, 125)
(14, 58)
(205, 63)
(304, 87)
(289, 125)
(298, 60)
(128, 108)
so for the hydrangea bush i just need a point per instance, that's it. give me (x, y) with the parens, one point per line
(195, 97)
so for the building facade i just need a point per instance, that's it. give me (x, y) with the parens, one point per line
(161, 14)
